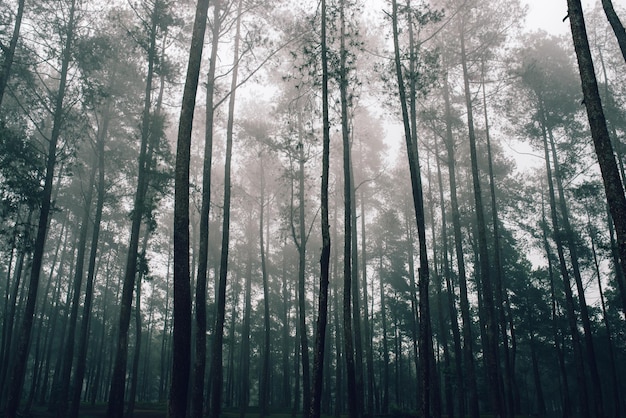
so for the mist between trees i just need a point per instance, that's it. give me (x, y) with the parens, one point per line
(271, 208)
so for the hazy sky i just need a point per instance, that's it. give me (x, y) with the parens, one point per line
(548, 15)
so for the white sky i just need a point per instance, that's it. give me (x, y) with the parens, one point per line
(548, 15)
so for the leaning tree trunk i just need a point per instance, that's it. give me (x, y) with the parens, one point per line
(9, 52)
(616, 25)
(604, 150)
(19, 366)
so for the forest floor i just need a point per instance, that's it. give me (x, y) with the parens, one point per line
(160, 411)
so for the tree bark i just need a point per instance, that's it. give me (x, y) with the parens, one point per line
(604, 150)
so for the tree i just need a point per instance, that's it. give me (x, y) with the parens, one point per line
(613, 186)
(203, 246)
(616, 25)
(158, 18)
(9, 52)
(218, 335)
(427, 366)
(181, 354)
(19, 367)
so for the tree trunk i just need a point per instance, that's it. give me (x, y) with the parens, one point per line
(383, 315)
(425, 380)
(68, 347)
(181, 355)
(589, 353)
(9, 53)
(468, 339)
(322, 317)
(490, 348)
(218, 335)
(244, 362)
(555, 330)
(199, 368)
(265, 368)
(509, 372)
(348, 339)
(569, 298)
(115, 407)
(91, 268)
(19, 366)
(616, 25)
(604, 150)
(612, 363)
(456, 335)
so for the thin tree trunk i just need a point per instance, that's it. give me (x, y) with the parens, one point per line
(265, 368)
(68, 347)
(589, 353)
(426, 382)
(569, 299)
(322, 317)
(565, 400)
(490, 347)
(500, 290)
(19, 366)
(456, 335)
(612, 363)
(91, 268)
(468, 339)
(383, 314)
(244, 362)
(115, 407)
(218, 335)
(348, 339)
